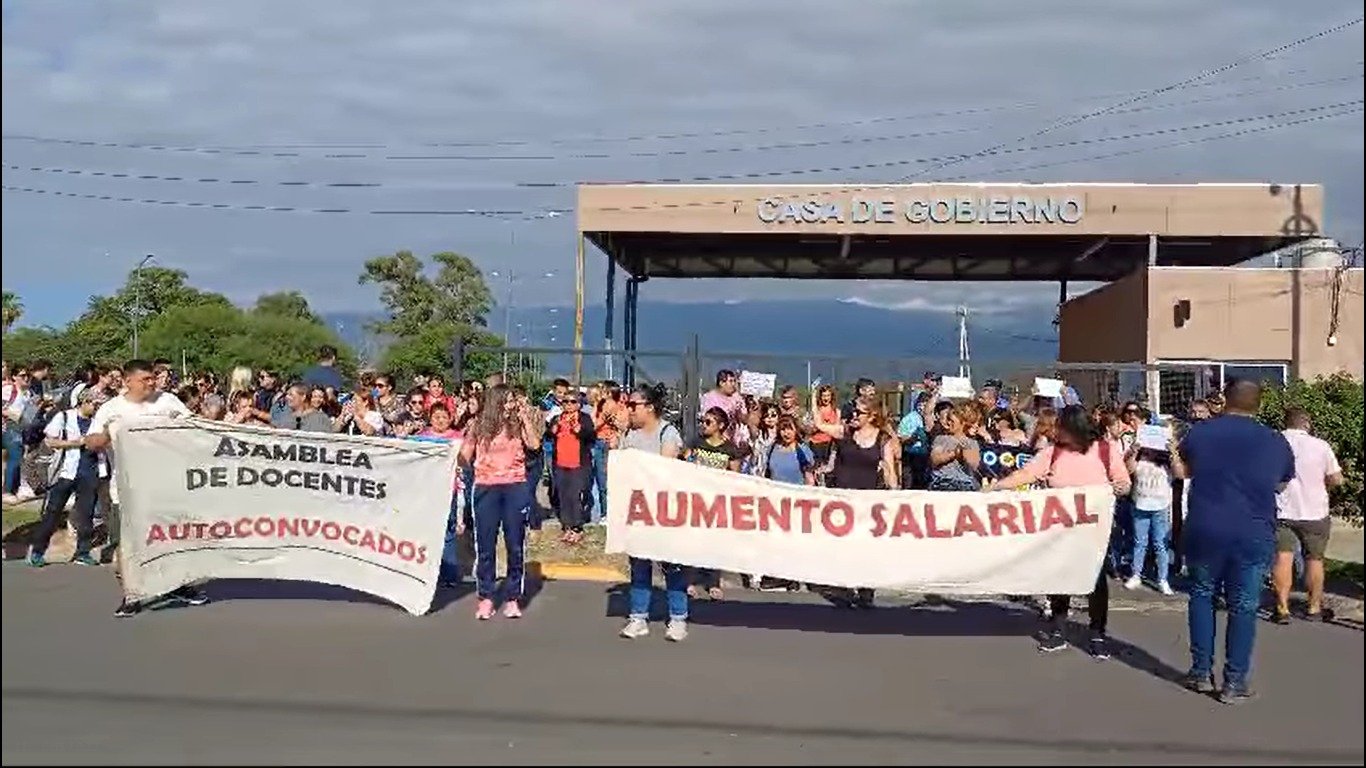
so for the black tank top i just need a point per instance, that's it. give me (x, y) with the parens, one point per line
(856, 467)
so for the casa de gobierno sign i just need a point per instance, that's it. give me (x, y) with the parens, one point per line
(961, 209)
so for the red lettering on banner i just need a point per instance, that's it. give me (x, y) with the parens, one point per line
(671, 515)
(178, 532)
(742, 513)
(421, 555)
(879, 522)
(806, 507)
(1001, 516)
(288, 526)
(386, 544)
(828, 514)
(367, 540)
(1027, 516)
(351, 535)
(968, 521)
(311, 527)
(200, 529)
(411, 551)
(155, 533)
(906, 523)
(1054, 513)
(706, 515)
(771, 516)
(638, 512)
(265, 526)
(221, 529)
(243, 528)
(331, 531)
(1084, 517)
(932, 528)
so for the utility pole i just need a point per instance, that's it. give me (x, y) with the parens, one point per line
(137, 298)
(964, 355)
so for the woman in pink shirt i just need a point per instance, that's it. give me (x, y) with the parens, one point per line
(496, 446)
(1077, 457)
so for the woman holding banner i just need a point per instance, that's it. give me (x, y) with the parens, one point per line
(648, 432)
(1077, 457)
(864, 457)
(497, 446)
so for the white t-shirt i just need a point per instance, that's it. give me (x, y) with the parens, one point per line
(113, 413)
(1305, 497)
(1152, 486)
(14, 401)
(66, 426)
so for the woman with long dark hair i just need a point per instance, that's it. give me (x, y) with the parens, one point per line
(711, 448)
(1078, 456)
(496, 446)
(864, 457)
(649, 432)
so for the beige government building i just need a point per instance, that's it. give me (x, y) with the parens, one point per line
(1162, 250)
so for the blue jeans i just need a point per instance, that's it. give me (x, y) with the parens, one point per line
(642, 586)
(1120, 546)
(1240, 575)
(505, 507)
(14, 457)
(450, 554)
(598, 512)
(1152, 527)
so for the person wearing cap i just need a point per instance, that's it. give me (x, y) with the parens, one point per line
(76, 470)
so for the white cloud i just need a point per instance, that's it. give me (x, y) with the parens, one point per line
(200, 73)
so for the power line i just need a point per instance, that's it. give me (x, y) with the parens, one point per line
(879, 165)
(549, 213)
(1205, 75)
(245, 152)
(1171, 145)
(135, 176)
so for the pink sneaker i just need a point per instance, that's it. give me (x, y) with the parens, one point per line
(485, 610)
(512, 610)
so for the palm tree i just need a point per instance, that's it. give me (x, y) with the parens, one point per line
(14, 309)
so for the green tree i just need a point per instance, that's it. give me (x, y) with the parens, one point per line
(286, 304)
(218, 338)
(26, 344)
(414, 301)
(14, 309)
(430, 351)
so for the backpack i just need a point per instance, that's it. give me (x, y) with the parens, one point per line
(34, 426)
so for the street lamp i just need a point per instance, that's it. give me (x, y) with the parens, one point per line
(137, 298)
(512, 279)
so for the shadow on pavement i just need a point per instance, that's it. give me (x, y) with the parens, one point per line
(942, 618)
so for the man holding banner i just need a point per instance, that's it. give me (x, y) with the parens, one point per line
(140, 398)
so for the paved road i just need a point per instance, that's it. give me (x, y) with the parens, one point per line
(293, 678)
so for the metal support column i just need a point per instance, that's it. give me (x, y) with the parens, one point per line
(1152, 250)
(611, 306)
(1153, 379)
(629, 332)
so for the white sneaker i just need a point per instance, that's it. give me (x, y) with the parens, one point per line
(1134, 582)
(11, 499)
(635, 628)
(676, 630)
(1165, 588)
(26, 494)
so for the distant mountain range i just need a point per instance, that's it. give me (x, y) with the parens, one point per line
(840, 340)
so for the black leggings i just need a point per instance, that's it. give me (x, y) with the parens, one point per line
(1097, 606)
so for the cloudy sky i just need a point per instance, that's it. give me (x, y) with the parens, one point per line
(348, 93)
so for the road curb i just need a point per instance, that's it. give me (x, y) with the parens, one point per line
(577, 572)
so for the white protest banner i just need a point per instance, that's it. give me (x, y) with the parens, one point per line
(209, 500)
(758, 384)
(1016, 542)
(959, 387)
(1155, 437)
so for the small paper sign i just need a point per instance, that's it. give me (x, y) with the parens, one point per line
(956, 387)
(758, 384)
(1048, 387)
(1154, 437)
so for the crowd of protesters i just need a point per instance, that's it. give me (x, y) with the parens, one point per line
(1251, 495)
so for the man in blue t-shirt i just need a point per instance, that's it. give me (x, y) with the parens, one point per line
(1234, 465)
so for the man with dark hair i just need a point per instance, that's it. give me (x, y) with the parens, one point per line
(299, 413)
(1236, 466)
(727, 397)
(38, 371)
(325, 373)
(141, 398)
(1302, 516)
